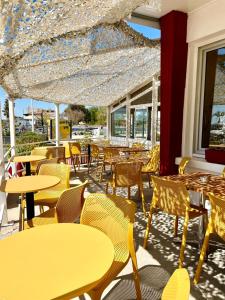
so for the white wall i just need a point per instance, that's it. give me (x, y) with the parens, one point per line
(206, 20)
(205, 25)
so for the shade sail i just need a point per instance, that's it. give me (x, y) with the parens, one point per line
(51, 54)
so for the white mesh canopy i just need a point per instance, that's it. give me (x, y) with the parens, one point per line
(73, 51)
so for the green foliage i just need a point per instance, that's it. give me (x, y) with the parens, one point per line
(6, 109)
(98, 115)
(26, 138)
(93, 115)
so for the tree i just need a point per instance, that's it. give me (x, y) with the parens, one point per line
(6, 109)
(77, 113)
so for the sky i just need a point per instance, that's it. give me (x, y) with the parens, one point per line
(22, 104)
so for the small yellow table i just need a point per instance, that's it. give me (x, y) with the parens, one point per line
(29, 185)
(64, 261)
(27, 159)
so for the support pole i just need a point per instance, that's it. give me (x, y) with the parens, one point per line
(57, 132)
(12, 132)
(127, 119)
(154, 110)
(108, 130)
(32, 111)
(3, 206)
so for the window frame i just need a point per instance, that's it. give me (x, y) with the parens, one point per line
(200, 92)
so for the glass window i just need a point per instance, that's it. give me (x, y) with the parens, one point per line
(140, 123)
(213, 119)
(119, 122)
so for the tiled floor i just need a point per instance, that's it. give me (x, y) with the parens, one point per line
(161, 257)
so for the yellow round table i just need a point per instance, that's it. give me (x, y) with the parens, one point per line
(27, 159)
(53, 261)
(28, 185)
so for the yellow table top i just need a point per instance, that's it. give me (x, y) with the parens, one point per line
(28, 158)
(27, 184)
(53, 261)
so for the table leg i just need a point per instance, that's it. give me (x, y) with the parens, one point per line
(29, 197)
(30, 205)
(89, 155)
(28, 173)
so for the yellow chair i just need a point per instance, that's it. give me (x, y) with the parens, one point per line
(114, 216)
(49, 197)
(76, 154)
(138, 145)
(108, 153)
(33, 165)
(178, 286)
(216, 225)
(173, 198)
(183, 163)
(152, 166)
(127, 174)
(46, 161)
(67, 209)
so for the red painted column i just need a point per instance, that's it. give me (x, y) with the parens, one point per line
(173, 75)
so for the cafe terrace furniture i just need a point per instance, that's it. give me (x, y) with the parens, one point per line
(181, 169)
(178, 286)
(57, 261)
(28, 159)
(46, 161)
(216, 225)
(152, 166)
(194, 181)
(77, 155)
(114, 216)
(29, 185)
(67, 209)
(127, 174)
(53, 152)
(39, 151)
(173, 198)
(183, 163)
(49, 197)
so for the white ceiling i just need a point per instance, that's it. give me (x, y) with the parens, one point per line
(165, 6)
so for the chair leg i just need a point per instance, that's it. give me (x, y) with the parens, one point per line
(184, 240)
(148, 227)
(142, 199)
(149, 180)
(176, 226)
(22, 212)
(41, 208)
(203, 253)
(114, 190)
(128, 192)
(106, 188)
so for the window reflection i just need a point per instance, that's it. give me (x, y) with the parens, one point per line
(119, 122)
(140, 123)
(213, 126)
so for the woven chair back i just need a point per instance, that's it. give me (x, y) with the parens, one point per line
(110, 153)
(112, 215)
(46, 161)
(217, 214)
(171, 197)
(154, 160)
(138, 145)
(128, 173)
(94, 150)
(183, 163)
(70, 204)
(62, 171)
(75, 148)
